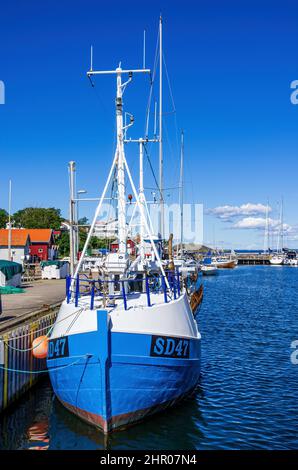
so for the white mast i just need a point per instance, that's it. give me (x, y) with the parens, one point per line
(120, 166)
(119, 160)
(9, 222)
(160, 134)
(72, 250)
(142, 199)
(181, 193)
(266, 234)
(279, 233)
(282, 223)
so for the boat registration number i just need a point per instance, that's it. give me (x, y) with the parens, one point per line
(166, 346)
(58, 348)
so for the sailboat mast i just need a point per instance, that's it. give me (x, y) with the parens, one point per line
(279, 230)
(160, 134)
(282, 223)
(9, 222)
(120, 167)
(266, 233)
(181, 192)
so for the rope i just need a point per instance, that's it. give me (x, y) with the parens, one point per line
(152, 169)
(152, 79)
(42, 371)
(47, 334)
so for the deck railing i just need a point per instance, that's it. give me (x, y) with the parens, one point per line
(123, 288)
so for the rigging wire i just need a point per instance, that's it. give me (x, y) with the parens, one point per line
(152, 80)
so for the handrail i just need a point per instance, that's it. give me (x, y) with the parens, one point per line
(95, 287)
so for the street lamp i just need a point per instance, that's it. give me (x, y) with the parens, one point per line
(80, 191)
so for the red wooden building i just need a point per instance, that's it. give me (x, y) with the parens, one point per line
(42, 244)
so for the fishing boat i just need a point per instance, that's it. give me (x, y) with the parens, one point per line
(125, 345)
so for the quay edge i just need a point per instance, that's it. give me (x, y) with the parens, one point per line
(16, 336)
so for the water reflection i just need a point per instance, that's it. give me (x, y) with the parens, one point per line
(158, 432)
(26, 425)
(38, 435)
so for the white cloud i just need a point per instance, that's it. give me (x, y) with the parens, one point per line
(228, 212)
(260, 223)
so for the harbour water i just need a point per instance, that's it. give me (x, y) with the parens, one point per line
(247, 396)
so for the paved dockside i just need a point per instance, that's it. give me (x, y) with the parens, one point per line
(38, 295)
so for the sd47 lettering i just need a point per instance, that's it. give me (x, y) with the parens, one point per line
(58, 348)
(166, 346)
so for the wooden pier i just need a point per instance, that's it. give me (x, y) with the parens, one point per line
(25, 317)
(253, 259)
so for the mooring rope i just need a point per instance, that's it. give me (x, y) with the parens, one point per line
(44, 370)
(46, 334)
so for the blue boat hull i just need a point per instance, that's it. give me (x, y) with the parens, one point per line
(113, 379)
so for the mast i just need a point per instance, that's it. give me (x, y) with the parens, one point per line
(142, 199)
(279, 232)
(181, 193)
(72, 252)
(9, 222)
(160, 134)
(120, 167)
(282, 224)
(266, 234)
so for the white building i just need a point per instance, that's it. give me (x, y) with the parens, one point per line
(20, 245)
(105, 229)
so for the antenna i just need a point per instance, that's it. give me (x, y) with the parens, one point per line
(91, 58)
(144, 49)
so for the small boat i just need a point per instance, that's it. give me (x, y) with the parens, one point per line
(209, 270)
(224, 262)
(277, 260)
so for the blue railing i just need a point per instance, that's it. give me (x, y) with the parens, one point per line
(82, 286)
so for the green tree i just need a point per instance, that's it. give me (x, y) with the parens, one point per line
(63, 244)
(38, 217)
(83, 221)
(3, 218)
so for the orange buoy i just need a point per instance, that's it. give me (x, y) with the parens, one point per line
(40, 347)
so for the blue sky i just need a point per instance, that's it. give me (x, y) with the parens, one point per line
(230, 65)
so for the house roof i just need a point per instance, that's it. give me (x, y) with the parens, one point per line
(18, 237)
(39, 235)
